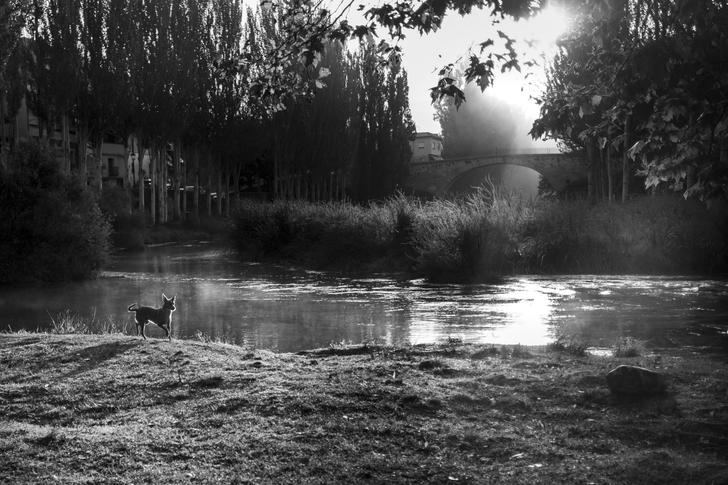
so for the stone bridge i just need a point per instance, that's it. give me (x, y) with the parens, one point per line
(438, 177)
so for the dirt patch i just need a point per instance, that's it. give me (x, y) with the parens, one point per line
(116, 409)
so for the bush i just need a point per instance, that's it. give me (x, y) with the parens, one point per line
(51, 227)
(128, 230)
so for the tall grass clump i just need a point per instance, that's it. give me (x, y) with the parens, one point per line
(472, 238)
(628, 347)
(51, 227)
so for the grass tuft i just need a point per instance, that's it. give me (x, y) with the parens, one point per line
(629, 347)
(569, 345)
(67, 322)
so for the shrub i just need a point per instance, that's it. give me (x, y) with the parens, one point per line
(128, 230)
(51, 227)
(569, 345)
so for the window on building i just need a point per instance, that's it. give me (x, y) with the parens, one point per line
(421, 145)
(113, 169)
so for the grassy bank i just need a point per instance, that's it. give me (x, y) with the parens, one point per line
(116, 409)
(488, 234)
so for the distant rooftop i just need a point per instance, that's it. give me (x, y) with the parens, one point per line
(427, 134)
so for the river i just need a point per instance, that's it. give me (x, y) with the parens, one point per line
(289, 309)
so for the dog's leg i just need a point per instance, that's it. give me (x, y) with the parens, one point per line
(144, 325)
(166, 331)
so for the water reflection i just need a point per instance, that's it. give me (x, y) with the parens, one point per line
(289, 309)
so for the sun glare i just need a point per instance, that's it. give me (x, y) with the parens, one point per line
(545, 27)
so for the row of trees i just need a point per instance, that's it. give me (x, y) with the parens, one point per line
(357, 128)
(158, 74)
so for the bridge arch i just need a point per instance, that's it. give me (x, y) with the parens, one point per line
(476, 176)
(436, 177)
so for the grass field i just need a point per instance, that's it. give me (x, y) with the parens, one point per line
(117, 409)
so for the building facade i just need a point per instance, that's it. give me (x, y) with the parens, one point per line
(426, 146)
(63, 143)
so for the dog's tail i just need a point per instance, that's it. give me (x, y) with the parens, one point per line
(131, 307)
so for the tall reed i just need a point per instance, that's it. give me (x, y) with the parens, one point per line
(488, 233)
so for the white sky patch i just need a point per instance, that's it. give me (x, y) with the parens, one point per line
(425, 55)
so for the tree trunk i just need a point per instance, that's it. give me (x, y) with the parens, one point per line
(140, 178)
(602, 175)
(625, 160)
(82, 143)
(153, 177)
(591, 175)
(3, 135)
(209, 192)
(160, 185)
(65, 142)
(610, 174)
(176, 180)
(99, 182)
(227, 191)
(128, 170)
(196, 199)
(218, 208)
(185, 174)
(236, 185)
(165, 168)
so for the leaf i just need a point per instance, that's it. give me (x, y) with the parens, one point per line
(324, 72)
(486, 44)
(585, 109)
(636, 148)
(596, 99)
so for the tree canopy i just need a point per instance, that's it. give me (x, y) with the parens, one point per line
(647, 78)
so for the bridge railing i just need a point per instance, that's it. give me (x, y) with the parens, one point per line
(497, 152)
(515, 151)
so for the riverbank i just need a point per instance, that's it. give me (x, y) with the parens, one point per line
(488, 234)
(117, 409)
(132, 233)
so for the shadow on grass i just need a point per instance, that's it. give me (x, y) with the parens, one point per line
(89, 358)
(25, 341)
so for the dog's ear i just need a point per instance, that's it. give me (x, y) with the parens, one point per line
(173, 298)
(164, 296)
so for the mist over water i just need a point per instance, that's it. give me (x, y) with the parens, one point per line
(289, 309)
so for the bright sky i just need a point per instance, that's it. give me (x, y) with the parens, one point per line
(425, 55)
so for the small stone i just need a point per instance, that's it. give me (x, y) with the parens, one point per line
(636, 381)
